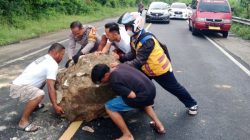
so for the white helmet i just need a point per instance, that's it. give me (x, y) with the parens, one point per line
(133, 19)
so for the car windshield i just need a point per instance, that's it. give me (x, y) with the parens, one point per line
(214, 6)
(179, 5)
(158, 6)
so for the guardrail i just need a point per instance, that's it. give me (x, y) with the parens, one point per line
(241, 20)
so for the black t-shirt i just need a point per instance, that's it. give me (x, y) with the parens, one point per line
(125, 79)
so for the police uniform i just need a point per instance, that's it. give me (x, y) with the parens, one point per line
(89, 42)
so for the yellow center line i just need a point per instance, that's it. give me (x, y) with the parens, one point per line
(71, 130)
(148, 26)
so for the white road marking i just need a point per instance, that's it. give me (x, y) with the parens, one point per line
(35, 52)
(229, 56)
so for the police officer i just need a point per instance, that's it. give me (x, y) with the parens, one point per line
(86, 36)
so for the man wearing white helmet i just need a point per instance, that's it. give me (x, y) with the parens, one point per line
(149, 56)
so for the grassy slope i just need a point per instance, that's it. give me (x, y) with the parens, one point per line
(31, 28)
(241, 30)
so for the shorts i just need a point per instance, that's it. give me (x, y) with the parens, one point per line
(117, 104)
(25, 92)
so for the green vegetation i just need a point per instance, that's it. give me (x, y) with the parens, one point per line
(31, 18)
(241, 8)
(241, 30)
(29, 28)
(171, 1)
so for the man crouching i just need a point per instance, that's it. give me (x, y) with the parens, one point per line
(28, 86)
(135, 90)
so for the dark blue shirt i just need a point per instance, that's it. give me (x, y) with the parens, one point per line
(125, 79)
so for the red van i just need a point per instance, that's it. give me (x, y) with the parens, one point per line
(210, 15)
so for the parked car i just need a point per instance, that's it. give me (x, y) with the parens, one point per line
(210, 15)
(179, 10)
(158, 11)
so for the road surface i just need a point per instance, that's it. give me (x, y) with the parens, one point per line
(219, 85)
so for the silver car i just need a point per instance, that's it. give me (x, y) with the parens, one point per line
(158, 11)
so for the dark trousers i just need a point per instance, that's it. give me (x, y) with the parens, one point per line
(169, 83)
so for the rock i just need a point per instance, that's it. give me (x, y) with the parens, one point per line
(80, 98)
(88, 129)
(14, 138)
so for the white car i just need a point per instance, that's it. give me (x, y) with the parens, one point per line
(158, 11)
(179, 10)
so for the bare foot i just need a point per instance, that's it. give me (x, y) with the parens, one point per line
(126, 137)
(158, 127)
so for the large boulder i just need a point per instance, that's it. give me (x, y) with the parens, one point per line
(80, 98)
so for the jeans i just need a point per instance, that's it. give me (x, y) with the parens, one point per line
(169, 83)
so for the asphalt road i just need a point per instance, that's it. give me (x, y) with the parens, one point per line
(220, 87)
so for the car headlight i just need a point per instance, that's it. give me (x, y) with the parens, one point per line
(226, 20)
(200, 19)
(166, 13)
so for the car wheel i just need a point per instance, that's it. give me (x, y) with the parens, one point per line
(225, 34)
(189, 27)
(194, 31)
(167, 22)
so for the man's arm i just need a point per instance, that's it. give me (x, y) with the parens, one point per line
(128, 56)
(118, 87)
(132, 95)
(52, 96)
(106, 49)
(142, 54)
(71, 47)
(103, 42)
(92, 38)
(88, 47)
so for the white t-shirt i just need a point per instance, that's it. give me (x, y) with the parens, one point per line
(124, 43)
(38, 71)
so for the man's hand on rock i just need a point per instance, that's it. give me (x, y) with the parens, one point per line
(58, 109)
(68, 63)
(112, 65)
(99, 53)
(76, 57)
(115, 55)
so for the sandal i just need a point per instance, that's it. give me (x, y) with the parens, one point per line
(157, 130)
(29, 128)
(40, 106)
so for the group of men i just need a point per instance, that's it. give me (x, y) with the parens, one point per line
(142, 58)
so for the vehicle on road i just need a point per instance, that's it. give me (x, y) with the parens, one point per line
(158, 11)
(210, 15)
(179, 10)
